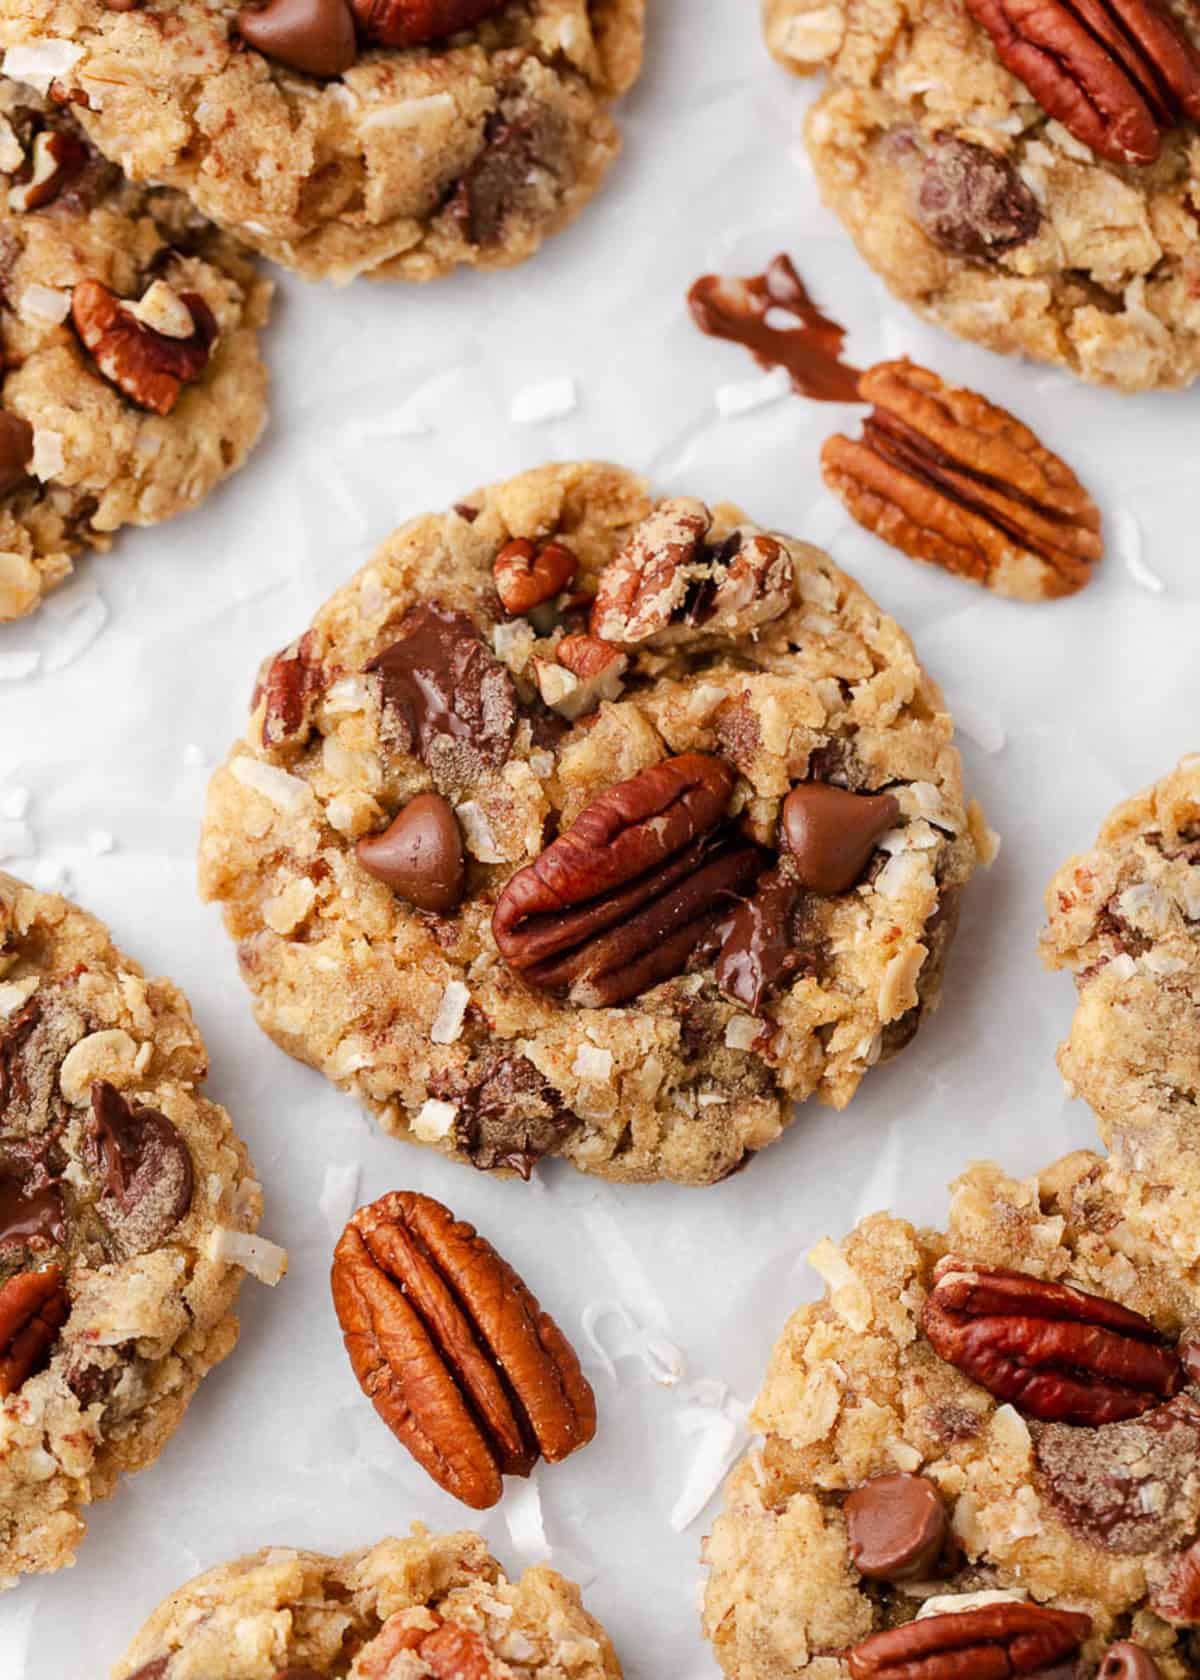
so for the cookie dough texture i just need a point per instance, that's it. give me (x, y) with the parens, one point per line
(99, 461)
(1124, 918)
(855, 1390)
(472, 150)
(1107, 285)
(348, 1617)
(150, 1307)
(406, 1009)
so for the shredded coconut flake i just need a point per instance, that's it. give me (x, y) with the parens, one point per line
(434, 1120)
(44, 303)
(481, 842)
(953, 1604)
(549, 400)
(447, 1023)
(1128, 535)
(40, 62)
(283, 790)
(662, 1360)
(100, 842)
(262, 1259)
(741, 1032)
(592, 1063)
(526, 1527)
(339, 1195)
(720, 1428)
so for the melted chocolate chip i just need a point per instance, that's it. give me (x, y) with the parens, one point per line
(972, 202)
(16, 451)
(444, 697)
(742, 310)
(145, 1166)
(758, 942)
(831, 833)
(33, 1218)
(1131, 1487)
(1127, 1661)
(315, 36)
(897, 1526)
(509, 1115)
(420, 855)
(514, 145)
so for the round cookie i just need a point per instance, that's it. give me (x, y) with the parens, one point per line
(126, 1207)
(468, 149)
(406, 946)
(109, 417)
(812, 1555)
(984, 214)
(435, 1605)
(1125, 919)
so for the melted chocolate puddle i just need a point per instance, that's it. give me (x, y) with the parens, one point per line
(747, 312)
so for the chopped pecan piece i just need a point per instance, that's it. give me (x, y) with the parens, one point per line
(583, 672)
(526, 575)
(990, 1642)
(147, 364)
(1177, 1600)
(453, 1351)
(33, 1309)
(1116, 73)
(623, 898)
(1053, 1351)
(16, 451)
(668, 580)
(949, 478)
(55, 160)
(292, 684)
(411, 23)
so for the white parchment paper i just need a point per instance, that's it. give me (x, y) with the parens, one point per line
(391, 400)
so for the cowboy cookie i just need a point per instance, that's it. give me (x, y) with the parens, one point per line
(396, 138)
(583, 824)
(130, 376)
(980, 1447)
(126, 1211)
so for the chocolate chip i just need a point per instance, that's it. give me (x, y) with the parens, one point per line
(513, 146)
(509, 1115)
(315, 36)
(31, 1217)
(897, 1527)
(972, 202)
(420, 855)
(444, 697)
(759, 942)
(831, 833)
(146, 1168)
(1126, 1661)
(16, 451)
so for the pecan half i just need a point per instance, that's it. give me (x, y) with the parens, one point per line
(410, 23)
(292, 684)
(1116, 73)
(990, 1642)
(1053, 1351)
(949, 478)
(526, 575)
(669, 581)
(453, 1351)
(148, 365)
(623, 898)
(33, 1309)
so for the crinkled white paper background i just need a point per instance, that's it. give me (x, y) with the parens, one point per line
(391, 400)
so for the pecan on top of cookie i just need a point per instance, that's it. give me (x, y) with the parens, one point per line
(585, 824)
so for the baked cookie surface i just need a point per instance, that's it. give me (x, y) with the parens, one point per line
(434, 1605)
(516, 877)
(110, 417)
(1124, 918)
(126, 1204)
(1087, 1518)
(984, 214)
(470, 149)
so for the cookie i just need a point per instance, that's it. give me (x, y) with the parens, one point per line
(398, 160)
(975, 1438)
(583, 824)
(132, 381)
(433, 1604)
(983, 211)
(1125, 919)
(127, 1207)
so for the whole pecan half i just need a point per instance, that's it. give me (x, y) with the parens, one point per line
(453, 1351)
(411, 23)
(527, 575)
(990, 1642)
(1116, 73)
(669, 581)
(949, 478)
(621, 900)
(147, 365)
(1053, 1351)
(33, 1309)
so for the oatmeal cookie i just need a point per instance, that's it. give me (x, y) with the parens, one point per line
(1125, 919)
(588, 825)
(435, 1605)
(983, 212)
(396, 160)
(126, 1211)
(969, 1431)
(131, 376)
